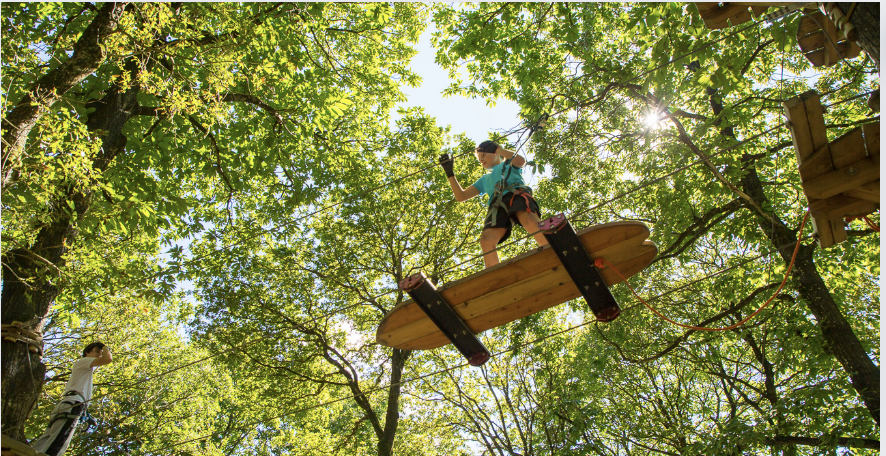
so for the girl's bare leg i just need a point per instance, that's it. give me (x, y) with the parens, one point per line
(530, 221)
(488, 241)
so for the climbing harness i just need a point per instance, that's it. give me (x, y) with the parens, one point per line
(76, 410)
(88, 420)
(502, 187)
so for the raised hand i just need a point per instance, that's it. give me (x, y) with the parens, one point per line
(446, 162)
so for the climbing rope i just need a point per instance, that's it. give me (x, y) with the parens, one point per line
(871, 224)
(18, 331)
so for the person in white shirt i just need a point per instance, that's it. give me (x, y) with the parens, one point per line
(78, 392)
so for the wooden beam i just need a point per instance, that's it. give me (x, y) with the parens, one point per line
(819, 58)
(741, 17)
(824, 235)
(848, 149)
(842, 179)
(808, 25)
(817, 164)
(704, 7)
(811, 42)
(723, 13)
(838, 228)
(840, 206)
(868, 192)
(795, 111)
(815, 119)
(832, 55)
(872, 139)
(15, 448)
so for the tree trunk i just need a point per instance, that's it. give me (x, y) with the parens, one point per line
(392, 415)
(87, 57)
(30, 284)
(865, 20)
(838, 335)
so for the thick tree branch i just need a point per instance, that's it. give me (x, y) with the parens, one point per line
(87, 57)
(698, 228)
(218, 164)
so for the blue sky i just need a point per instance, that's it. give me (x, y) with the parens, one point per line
(470, 116)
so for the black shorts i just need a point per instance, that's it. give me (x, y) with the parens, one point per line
(506, 219)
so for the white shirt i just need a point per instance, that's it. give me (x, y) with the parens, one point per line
(81, 378)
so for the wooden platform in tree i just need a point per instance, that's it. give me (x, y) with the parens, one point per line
(817, 36)
(12, 447)
(729, 14)
(840, 178)
(519, 287)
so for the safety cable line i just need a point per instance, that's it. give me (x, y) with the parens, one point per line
(867, 220)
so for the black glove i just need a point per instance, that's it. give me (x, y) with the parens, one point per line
(446, 162)
(488, 146)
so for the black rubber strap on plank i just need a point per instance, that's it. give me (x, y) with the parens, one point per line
(424, 293)
(575, 259)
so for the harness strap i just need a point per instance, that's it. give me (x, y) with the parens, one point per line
(501, 188)
(526, 197)
(515, 190)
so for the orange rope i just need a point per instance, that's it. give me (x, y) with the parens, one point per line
(599, 262)
(871, 224)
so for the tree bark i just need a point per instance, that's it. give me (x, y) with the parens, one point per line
(30, 276)
(836, 331)
(866, 21)
(87, 57)
(392, 415)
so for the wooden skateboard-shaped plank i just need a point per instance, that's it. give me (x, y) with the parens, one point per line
(605, 239)
(528, 284)
(563, 290)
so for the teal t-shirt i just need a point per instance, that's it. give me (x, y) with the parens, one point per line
(486, 183)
